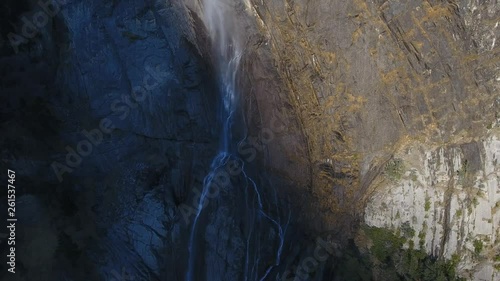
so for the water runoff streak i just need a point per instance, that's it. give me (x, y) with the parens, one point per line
(222, 24)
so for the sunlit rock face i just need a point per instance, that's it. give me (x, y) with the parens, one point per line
(361, 81)
(362, 77)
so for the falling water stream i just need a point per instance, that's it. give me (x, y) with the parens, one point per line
(261, 215)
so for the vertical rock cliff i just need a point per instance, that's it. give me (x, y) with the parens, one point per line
(362, 143)
(397, 108)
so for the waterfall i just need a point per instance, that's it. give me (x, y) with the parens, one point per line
(225, 32)
(219, 17)
(227, 51)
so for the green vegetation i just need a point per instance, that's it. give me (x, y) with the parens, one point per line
(427, 204)
(396, 263)
(497, 258)
(421, 235)
(411, 245)
(413, 175)
(455, 259)
(407, 231)
(394, 169)
(475, 202)
(385, 243)
(462, 173)
(478, 246)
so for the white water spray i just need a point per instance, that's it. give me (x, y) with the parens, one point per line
(220, 19)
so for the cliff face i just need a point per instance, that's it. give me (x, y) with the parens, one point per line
(371, 128)
(109, 121)
(365, 76)
(370, 81)
(449, 196)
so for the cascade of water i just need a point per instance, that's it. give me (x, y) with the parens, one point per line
(227, 53)
(219, 161)
(220, 19)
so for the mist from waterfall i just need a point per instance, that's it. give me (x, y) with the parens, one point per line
(220, 19)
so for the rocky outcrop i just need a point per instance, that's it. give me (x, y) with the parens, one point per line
(449, 196)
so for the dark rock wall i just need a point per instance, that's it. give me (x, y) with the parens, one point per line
(135, 75)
